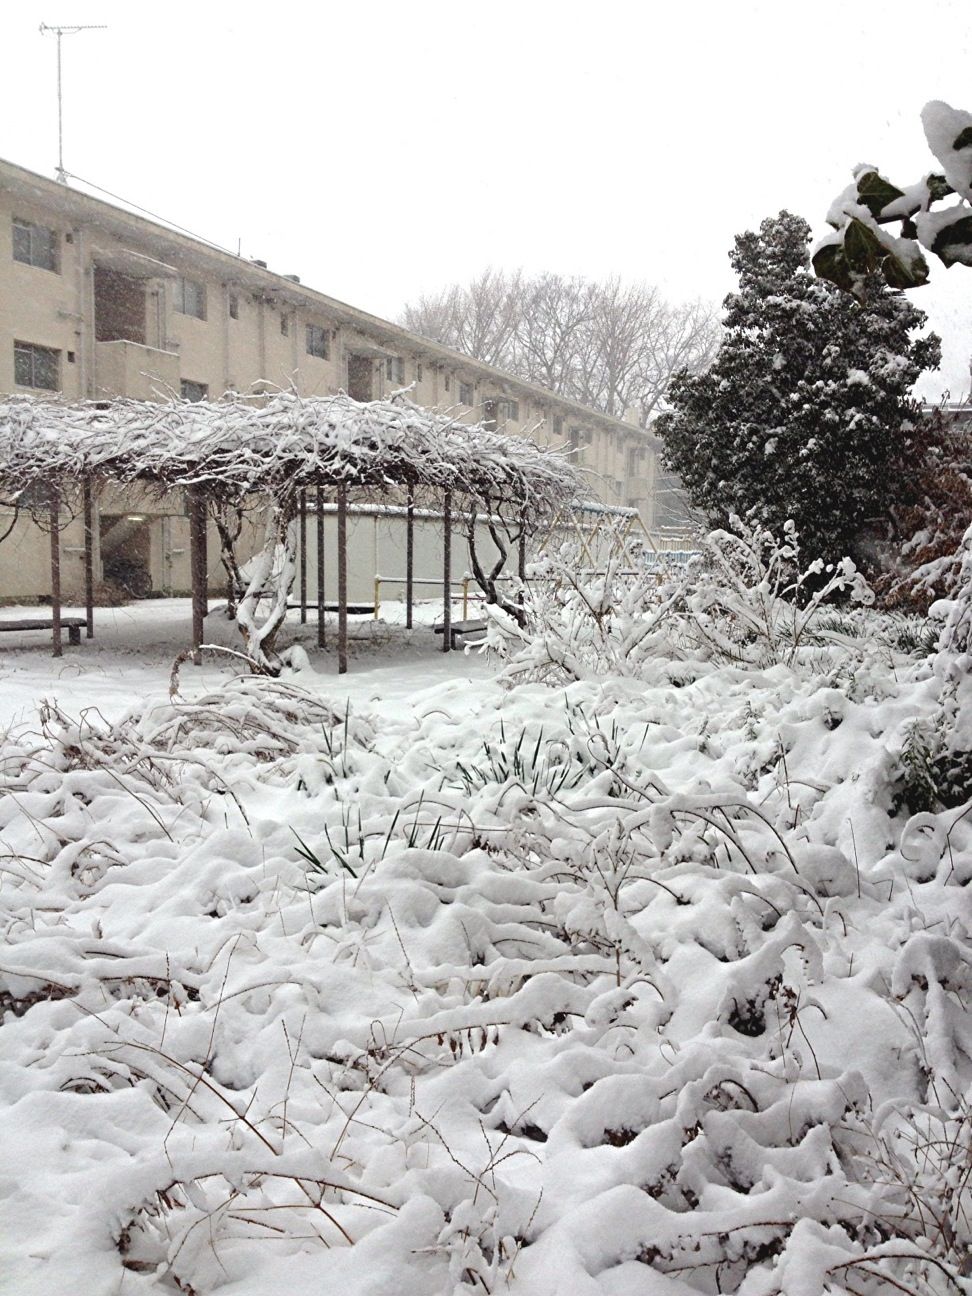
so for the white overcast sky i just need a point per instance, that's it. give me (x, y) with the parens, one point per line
(381, 150)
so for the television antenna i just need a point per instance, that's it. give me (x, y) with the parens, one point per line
(59, 32)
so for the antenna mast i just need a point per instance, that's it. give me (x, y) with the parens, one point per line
(59, 32)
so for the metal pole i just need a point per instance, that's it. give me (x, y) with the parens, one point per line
(54, 519)
(88, 558)
(303, 557)
(319, 502)
(342, 546)
(60, 119)
(447, 572)
(409, 559)
(59, 32)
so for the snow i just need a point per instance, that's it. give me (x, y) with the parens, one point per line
(276, 444)
(602, 987)
(943, 126)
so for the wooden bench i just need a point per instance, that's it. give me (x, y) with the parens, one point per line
(463, 630)
(71, 624)
(354, 609)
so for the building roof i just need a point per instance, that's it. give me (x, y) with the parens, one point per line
(185, 251)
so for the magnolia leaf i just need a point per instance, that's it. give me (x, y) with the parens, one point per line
(830, 263)
(866, 253)
(875, 192)
(953, 243)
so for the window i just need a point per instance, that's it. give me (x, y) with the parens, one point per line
(635, 457)
(418, 373)
(234, 306)
(558, 426)
(37, 366)
(513, 410)
(190, 298)
(193, 391)
(317, 341)
(395, 369)
(466, 393)
(448, 383)
(285, 325)
(34, 245)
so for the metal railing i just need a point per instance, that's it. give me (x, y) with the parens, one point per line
(462, 584)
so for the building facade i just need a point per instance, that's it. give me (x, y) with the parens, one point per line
(98, 302)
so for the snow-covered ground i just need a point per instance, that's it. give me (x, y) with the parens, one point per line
(406, 983)
(134, 647)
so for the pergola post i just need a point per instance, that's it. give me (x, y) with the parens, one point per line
(319, 503)
(521, 559)
(447, 572)
(342, 557)
(303, 557)
(409, 559)
(88, 505)
(54, 519)
(198, 568)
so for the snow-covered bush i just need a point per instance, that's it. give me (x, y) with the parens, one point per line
(630, 987)
(747, 597)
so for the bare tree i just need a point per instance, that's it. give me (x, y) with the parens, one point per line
(610, 345)
(479, 319)
(555, 317)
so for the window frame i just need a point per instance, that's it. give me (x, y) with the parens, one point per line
(395, 369)
(35, 351)
(467, 389)
(200, 387)
(312, 331)
(33, 230)
(180, 299)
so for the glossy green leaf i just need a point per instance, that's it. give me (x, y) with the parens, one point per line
(875, 192)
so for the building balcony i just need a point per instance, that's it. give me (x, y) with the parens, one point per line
(139, 372)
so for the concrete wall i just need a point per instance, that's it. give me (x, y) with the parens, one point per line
(376, 547)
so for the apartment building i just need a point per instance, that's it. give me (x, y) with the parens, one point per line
(96, 301)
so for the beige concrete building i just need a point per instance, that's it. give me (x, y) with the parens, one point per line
(96, 302)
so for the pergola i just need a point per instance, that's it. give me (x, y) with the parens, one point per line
(281, 449)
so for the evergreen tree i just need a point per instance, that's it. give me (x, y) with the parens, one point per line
(806, 412)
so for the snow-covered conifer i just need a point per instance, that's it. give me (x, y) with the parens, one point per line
(806, 413)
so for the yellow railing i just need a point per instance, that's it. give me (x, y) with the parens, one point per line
(462, 584)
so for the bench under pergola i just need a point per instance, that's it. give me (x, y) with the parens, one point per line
(282, 450)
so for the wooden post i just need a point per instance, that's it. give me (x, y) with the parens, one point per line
(342, 547)
(521, 565)
(319, 501)
(303, 557)
(409, 559)
(53, 519)
(88, 558)
(198, 568)
(447, 572)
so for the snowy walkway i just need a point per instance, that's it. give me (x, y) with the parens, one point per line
(134, 647)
